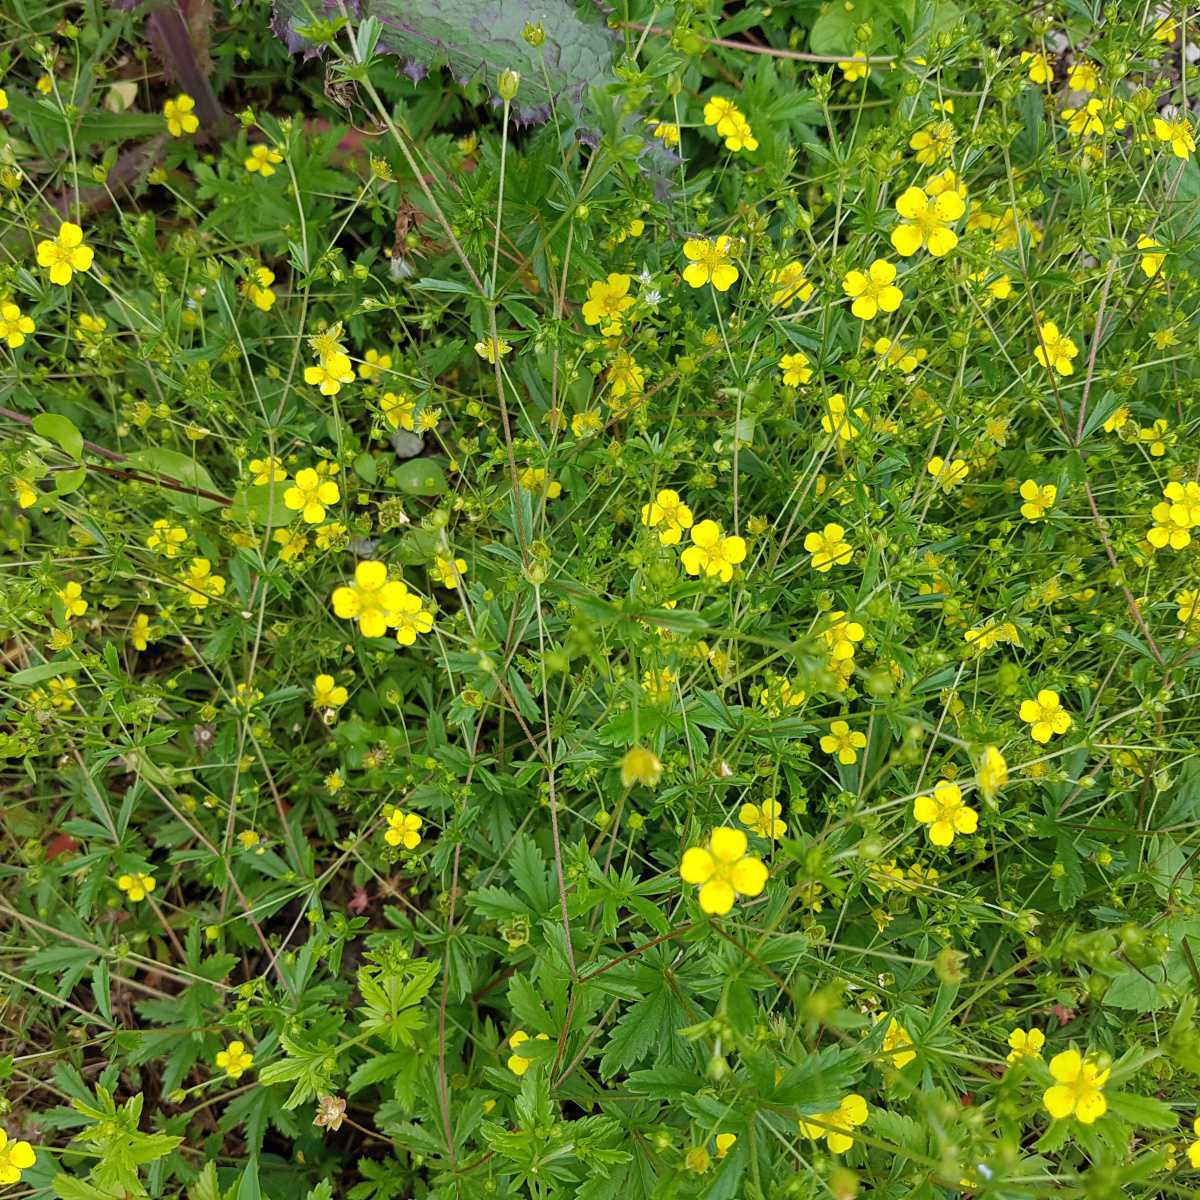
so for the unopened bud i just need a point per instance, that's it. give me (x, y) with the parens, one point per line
(507, 84)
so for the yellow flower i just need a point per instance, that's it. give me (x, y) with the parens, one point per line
(166, 539)
(897, 1045)
(932, 142)
(726, 1141)
(140, 632)
(925, 221)
(330, 373)
(712, 553)
(262, 160)
(640, 765)
(1039, 67)
(1082, 121)
(665, 131)
(374, 363)
(835, 419)
(738, 134)
(292, 543)
(1084, 77)
(249, 839)
(136, 886)
(828, 548)
(448, 571)
(841, 635)
(992, 774)
(947, 475)
(65, 255)
(1153, 256)
(1156, 438)
(1045, 715)
(410, 618)
(789, 283)
(1078, 1090)
(1025, 1043)
(763, 819)
(874, 291)
(1178, 132)
(3, 108)
(1164, 31)
(533, 479)
(851, 1113)
(258, 288)
(607, 302)
(516, 1064)
(721, 113)
(181, 120)
(311, 495)
(1039, 499)
(1188, 614)
(625, 376)
(669, 515)
(894, 354)
(843, 742)
(1193, 1151)
(723, 870)
(795, 368)
(14, 325)
(27, 494)
(853, 70)
(397, 410)
(371, 600)
(73, 600)
(945, 813)
(492, 349)
(44, 84)
(327, 694)
(404, 829)
(267, 470)
(1055, 349)
(709, 262)
(235, 1061)
(15, 1157)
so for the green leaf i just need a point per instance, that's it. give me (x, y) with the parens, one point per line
(66, 482)
(1143, 1111)
(61, 431)
(183, 469)
(421, 477)
(1070, 884)
(248, 1188)
(49, 670)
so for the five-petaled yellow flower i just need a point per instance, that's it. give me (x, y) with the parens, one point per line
(1025, 1043)
(897, 1045)
(448, 571)
(723, 870)
(404, 829)
(1178, 133)
(372, 599)
(330, 373)
(608, 300)
(851, 1113)
(137, 885)
(712, 553)
(311, 495)
(15, 1157)
(945, 813)
(65, 255)
(709, 261)
(235, 1061)
(1055, 349)
(789, 283)
(932, 142)
(180, 117)
(925, 221)
(1039, 67)
(947, 475)
(843, 742)
(1045, 715)
(796, 368)
(201, 584)
(828, 548)
(669, 515)
(764, 818)
(262, 160)
(1078, 1090)
(873, 291)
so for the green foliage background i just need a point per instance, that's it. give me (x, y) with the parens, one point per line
(406, 217)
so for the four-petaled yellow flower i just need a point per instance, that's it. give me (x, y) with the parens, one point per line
(789, 283)
(945, 813)
(764, 818)
(925, 221)
(874, 291)
(712, 552)
(1178, 132)
(1025, 1043)
(262, 160)
(404, 829)
(137, 885)
(516, 1064)
(15, 1157)
(330, 373)
(14, 325)
(835, 1126)
(669, 515)
(608, 300)
(1078, 1090)
(73, 600)
(897, 1045)
(448, 571)
(327, 693)
(796, 369)
(828, 548)
(723, 870)
(1039, 67)
(1055, 349)
(235, 1061)
(371, 600)
(181, 119)
(709, 262)
(65, 255)
(1045, 715)
(166, 539)
(992, 774)
(1039, 498)
(947, 475)
(311, 495)
(843, 742)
